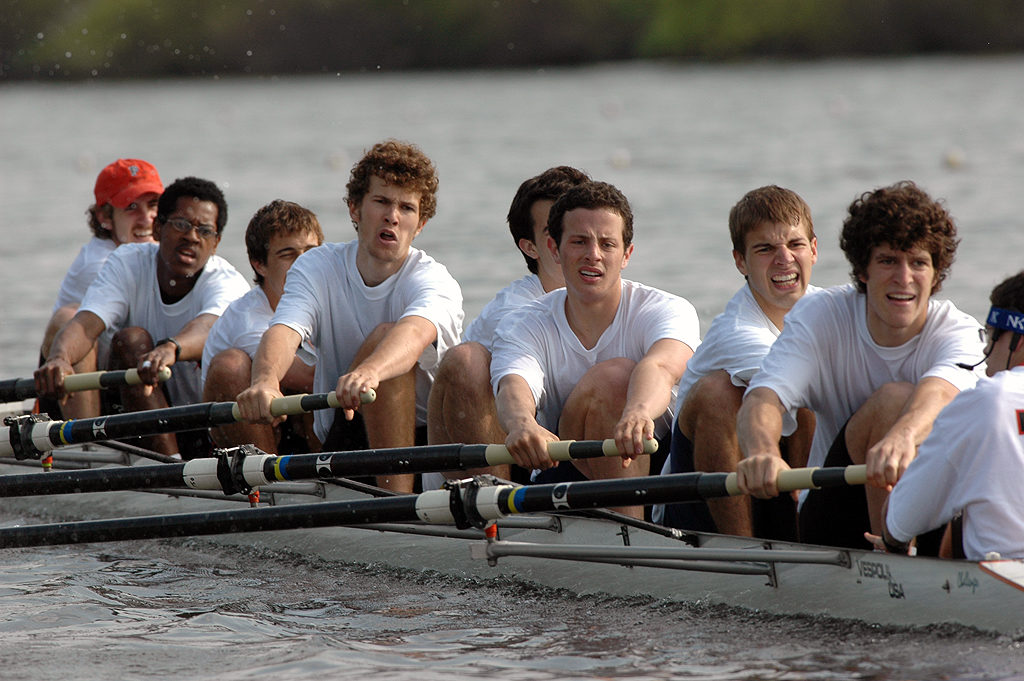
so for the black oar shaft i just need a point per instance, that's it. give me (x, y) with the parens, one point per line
(206, 473)
(17, 389)
(384, 510)
(132, 424)
(661, 489)
(93, 480)
(30, 436)
(471, 504)
(446, 457)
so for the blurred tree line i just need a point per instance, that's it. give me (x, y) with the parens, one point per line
(81, 39)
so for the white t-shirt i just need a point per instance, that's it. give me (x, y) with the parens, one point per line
(327, 303)
(826, 360)
(736, 342)
(126, 293)
(973, 461)
(241, 326)
(83, 271)
(77, 280)
(515, 295)
(537, 344)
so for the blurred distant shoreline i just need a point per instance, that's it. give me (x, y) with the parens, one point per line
(113, 39)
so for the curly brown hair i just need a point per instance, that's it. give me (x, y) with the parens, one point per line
(400, 164)
(96, 214)
(903, 216)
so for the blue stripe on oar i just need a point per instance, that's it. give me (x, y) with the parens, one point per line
(515, 499)
(280, 466)
(65, 433)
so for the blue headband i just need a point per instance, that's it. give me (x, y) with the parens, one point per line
(1010, 320)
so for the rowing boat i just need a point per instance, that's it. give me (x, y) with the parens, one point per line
(591, 552)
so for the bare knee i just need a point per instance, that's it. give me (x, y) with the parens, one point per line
(597, 401)
(610, 377)
(229, 373)
(876, 416)
(713, 399)
(128, 345)
(465, 367)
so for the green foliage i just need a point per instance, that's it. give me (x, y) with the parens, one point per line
(136, 38)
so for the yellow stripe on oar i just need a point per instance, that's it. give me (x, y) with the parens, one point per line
(277, 469)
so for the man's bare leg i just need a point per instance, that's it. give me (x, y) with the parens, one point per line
(708, 420)
(590, 413)
(867, 426)
(391, 419)
(461, 406)
(126, 349)
(229, 373)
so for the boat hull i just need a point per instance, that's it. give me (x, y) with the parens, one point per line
(784, 578)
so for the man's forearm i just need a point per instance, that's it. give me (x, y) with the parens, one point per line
(759, 423)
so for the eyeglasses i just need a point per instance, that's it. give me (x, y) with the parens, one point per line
(992, 334)
(208, 232)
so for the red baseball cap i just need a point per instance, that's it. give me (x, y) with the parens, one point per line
(125, 180)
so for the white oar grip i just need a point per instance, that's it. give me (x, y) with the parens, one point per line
(610, 449)
(292, 404)
(92, 380)
(856, 475)
(802, 478)
(796, 478)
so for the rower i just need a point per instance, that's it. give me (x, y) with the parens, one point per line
(598, 359)
(875, 360)
(380, 313)
(461, 407)
(277, 234)
(126, 194)
(774, 248)
(970, 466)
(164, 297)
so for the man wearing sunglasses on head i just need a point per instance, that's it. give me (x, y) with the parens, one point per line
(164, 297)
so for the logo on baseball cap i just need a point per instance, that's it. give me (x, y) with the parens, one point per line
(125, 180)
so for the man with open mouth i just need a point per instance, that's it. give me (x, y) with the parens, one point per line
(380, 313)
(876, 360)
(597, 359)
(163, 297)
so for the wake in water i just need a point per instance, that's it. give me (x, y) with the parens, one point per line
(194, 610)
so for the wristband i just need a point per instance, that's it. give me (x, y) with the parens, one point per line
(177, 346)
(893, 546)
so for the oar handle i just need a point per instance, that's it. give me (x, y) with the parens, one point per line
(25, 388)
(96, 380)
(567, 450)
(804, 478)
(300, 404)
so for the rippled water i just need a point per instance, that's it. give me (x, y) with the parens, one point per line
(683, 142)
(200, 611)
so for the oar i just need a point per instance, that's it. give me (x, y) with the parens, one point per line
(478, 503)
(17, 389)
(29, 437)
(257, 469)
